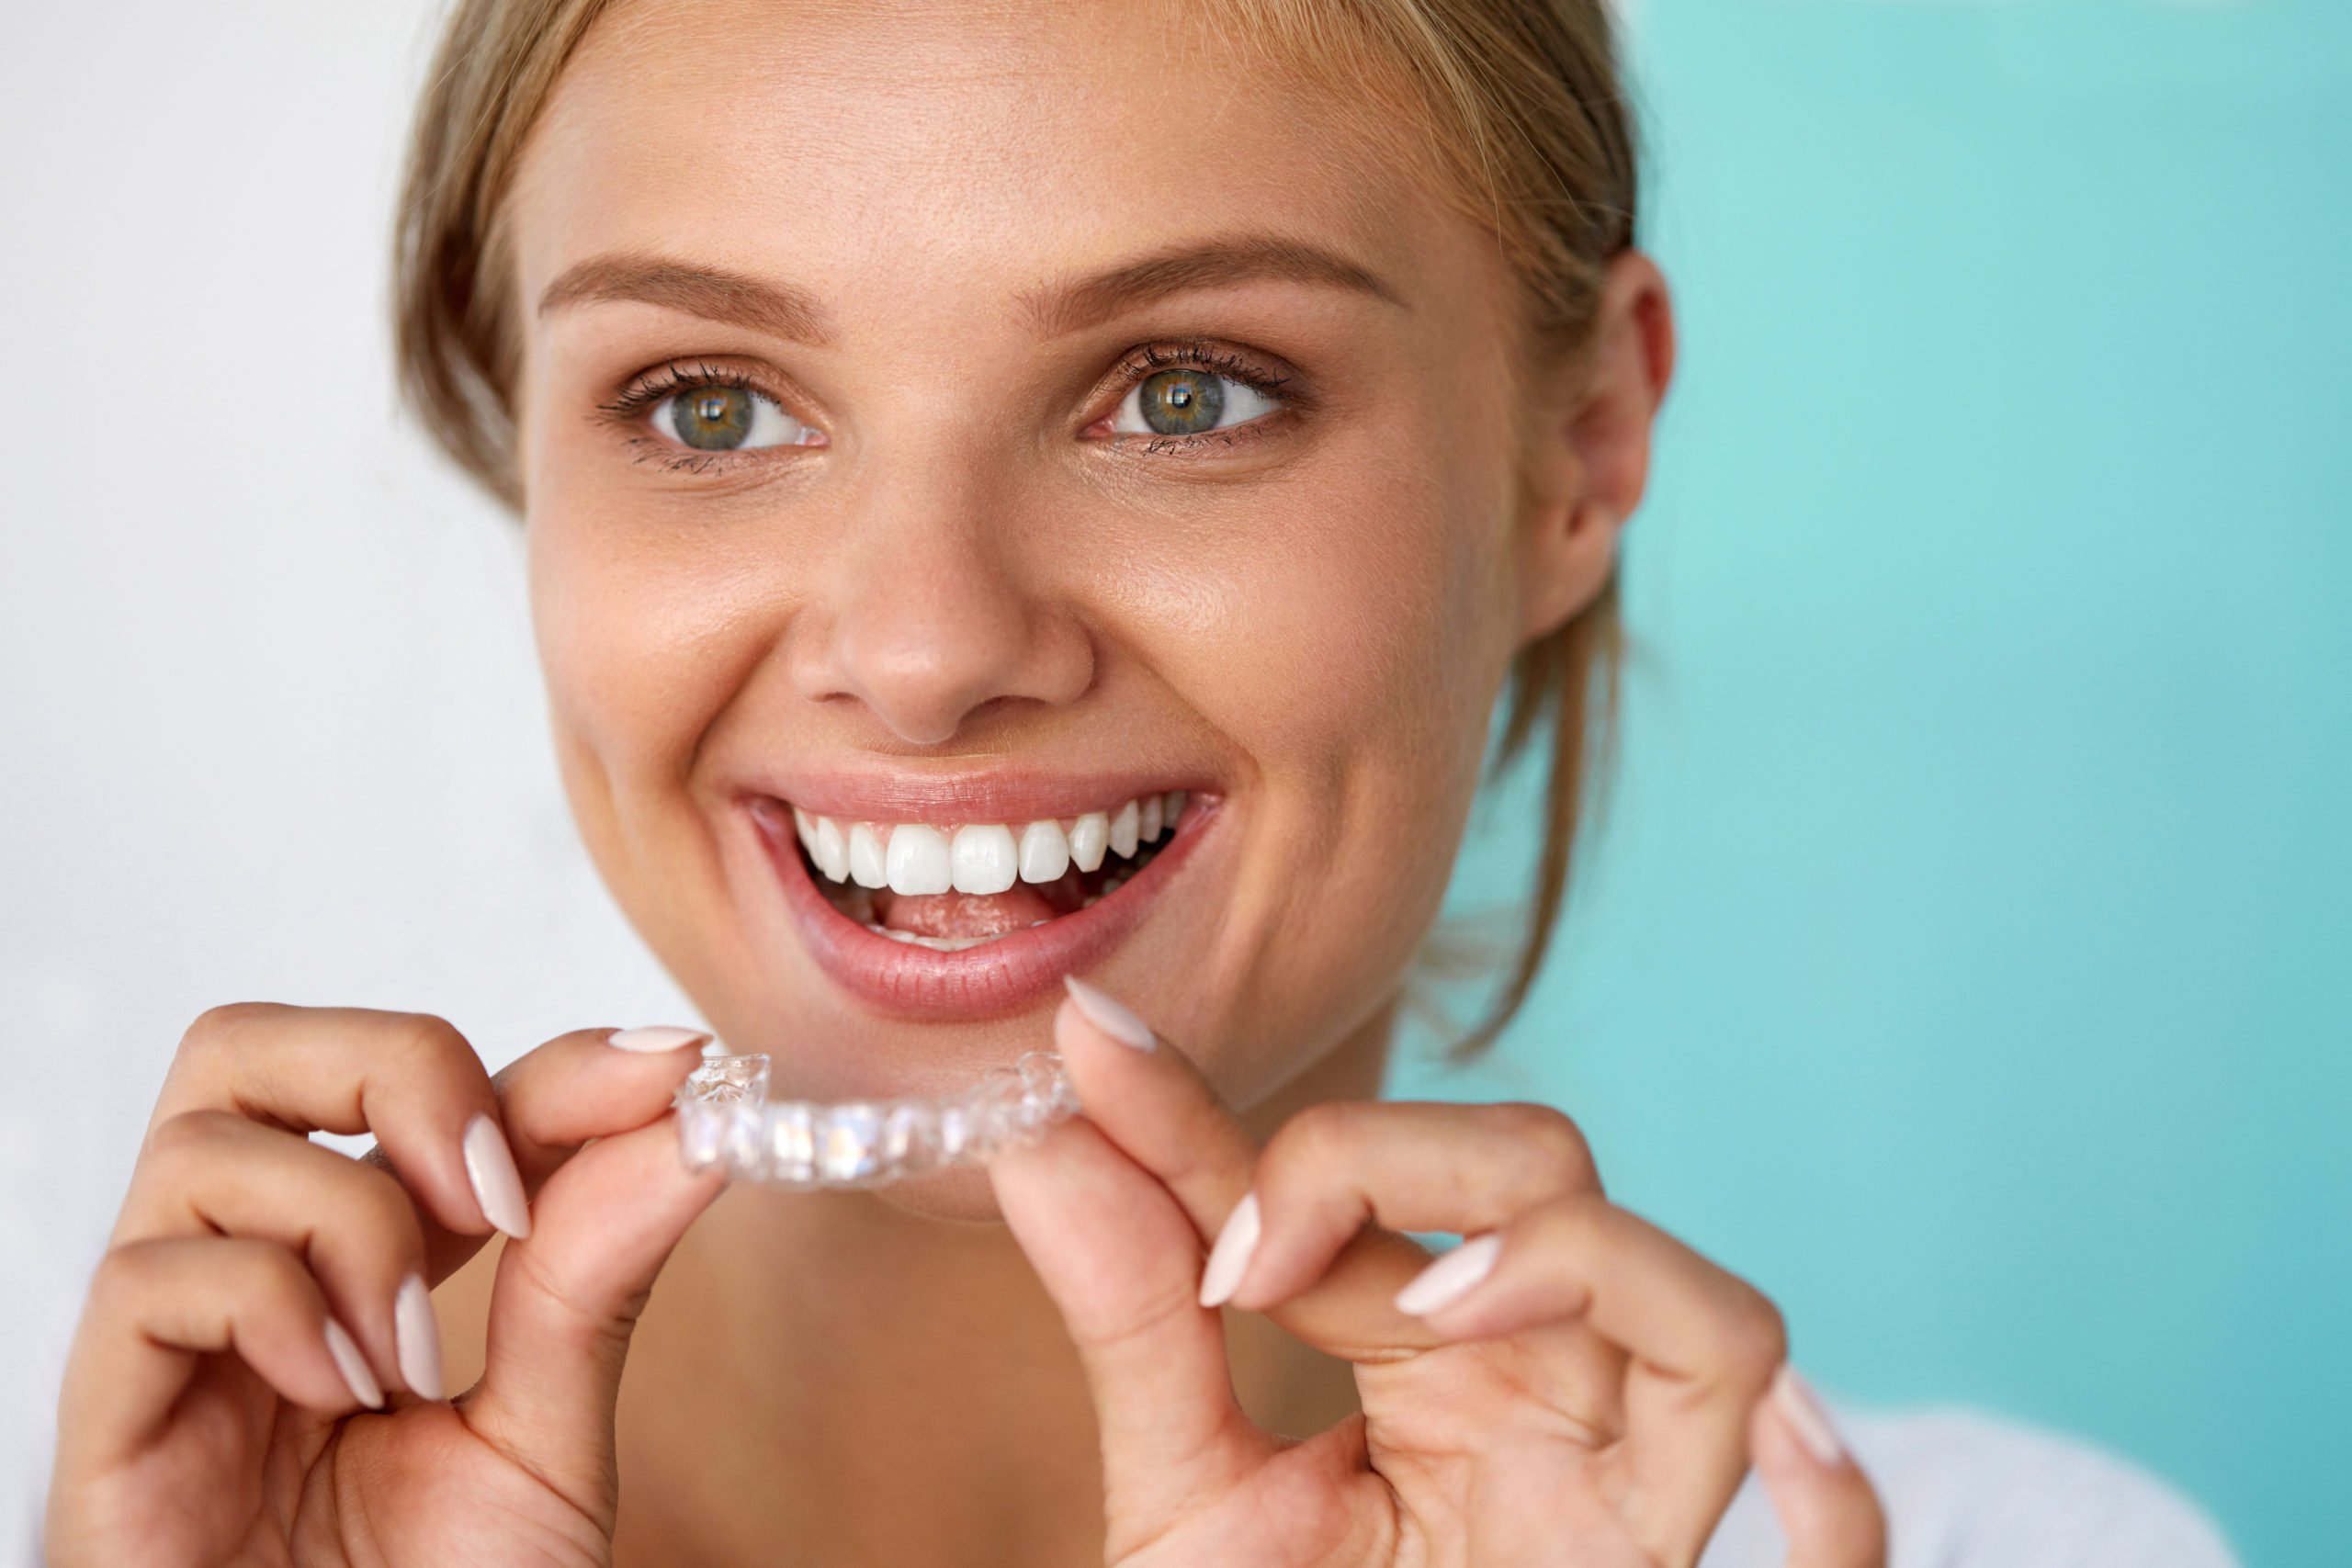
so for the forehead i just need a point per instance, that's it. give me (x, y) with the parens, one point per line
(913, 152)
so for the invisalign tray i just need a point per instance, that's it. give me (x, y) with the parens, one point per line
(725, 1119)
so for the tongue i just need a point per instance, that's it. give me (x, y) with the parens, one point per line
(963, 914)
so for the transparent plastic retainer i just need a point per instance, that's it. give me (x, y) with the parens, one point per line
(727, 1121)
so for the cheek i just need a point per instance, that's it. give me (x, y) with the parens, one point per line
(641, 646)
(1352, 643)
(1352, 653)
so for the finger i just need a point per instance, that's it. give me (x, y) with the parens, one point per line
(209, 1172)
(410, 1079)
(1155, 1105)
(1406, 1165)
(156, 1307)
(1703, 1344)
(567, 1298)
(1828, 1510)
(1336, 1167)
(589, 1083)
(555, 1098)
(1122, 1261)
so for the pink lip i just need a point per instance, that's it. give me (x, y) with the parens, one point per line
(996, 977)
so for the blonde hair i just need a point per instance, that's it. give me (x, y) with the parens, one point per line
(1524, 105)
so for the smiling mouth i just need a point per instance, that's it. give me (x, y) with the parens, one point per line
(952, 887)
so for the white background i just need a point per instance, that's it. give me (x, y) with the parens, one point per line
(1989, 831)
(273, 727)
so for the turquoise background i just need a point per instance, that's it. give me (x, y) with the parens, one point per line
(1966, 953)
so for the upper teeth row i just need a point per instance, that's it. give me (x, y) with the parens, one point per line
(980, 857)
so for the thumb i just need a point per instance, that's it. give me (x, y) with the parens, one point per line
(1828, 1508)
(1122, 1262)
(568, 1295)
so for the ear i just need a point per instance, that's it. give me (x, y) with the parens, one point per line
(1587, 454)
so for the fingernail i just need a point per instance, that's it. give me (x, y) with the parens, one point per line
(353, 1366)
(418, 1337)
(1449, 1279)
(655, 1037)
(498, 1186)
(1110, 1016)
(1230, 1258)
(1803, 1411)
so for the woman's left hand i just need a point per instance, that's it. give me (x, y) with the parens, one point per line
(1571, 1385)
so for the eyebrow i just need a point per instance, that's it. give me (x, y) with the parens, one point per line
(1072, 306)
(785, 311)
(712, 293)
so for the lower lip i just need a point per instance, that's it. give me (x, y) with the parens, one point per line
(995, 977)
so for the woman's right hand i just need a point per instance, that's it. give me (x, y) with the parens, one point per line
(263, 1296)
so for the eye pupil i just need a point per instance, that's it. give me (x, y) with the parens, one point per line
(714, 419)
(1182, 402)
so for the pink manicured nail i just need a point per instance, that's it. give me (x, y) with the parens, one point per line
(655, 1037)
(353, 1366)
(1451, 1278)
(1230, 1258)
(418, 1337)
(498, 1186)
(1803, 1411)
(1109, 1016)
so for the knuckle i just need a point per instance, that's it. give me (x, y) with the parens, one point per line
(1754, 1338)
(386, 1210)
(122, 1275)
(267, 1276)
(1317, 1140)
(216, 1028)
(192, 1134)
(1549, 1137)
(427, 1043)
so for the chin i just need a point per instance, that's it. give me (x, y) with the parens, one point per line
(963, 1195)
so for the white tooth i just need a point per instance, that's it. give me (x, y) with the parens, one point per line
(831, 851)
(917, 861)
(1044, 852)
(985, 860)
(806, 828)
(1089, 837)
(1175, 808)
(867, 866)
(1148, 818)
(1123, 830)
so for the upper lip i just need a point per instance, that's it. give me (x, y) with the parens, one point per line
(994, 795)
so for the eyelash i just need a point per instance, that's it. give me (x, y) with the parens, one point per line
(627, 408)
(1150, 359)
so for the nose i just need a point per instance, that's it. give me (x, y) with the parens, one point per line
(931, 609)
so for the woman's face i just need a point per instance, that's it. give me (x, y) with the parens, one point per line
(944, 420)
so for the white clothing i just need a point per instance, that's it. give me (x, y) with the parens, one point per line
(1964, 1490)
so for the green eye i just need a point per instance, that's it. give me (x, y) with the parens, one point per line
(1189, 402)
(713, 419)
(1182, 402)
(717, 418)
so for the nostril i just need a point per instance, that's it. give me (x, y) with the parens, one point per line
(929, 647)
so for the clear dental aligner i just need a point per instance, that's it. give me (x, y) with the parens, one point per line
(726, 1119)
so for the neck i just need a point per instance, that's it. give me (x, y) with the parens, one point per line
(869, 1384)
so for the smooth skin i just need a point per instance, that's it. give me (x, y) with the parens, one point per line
(968, 570)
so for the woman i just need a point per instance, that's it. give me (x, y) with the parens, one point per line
(947, 438)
